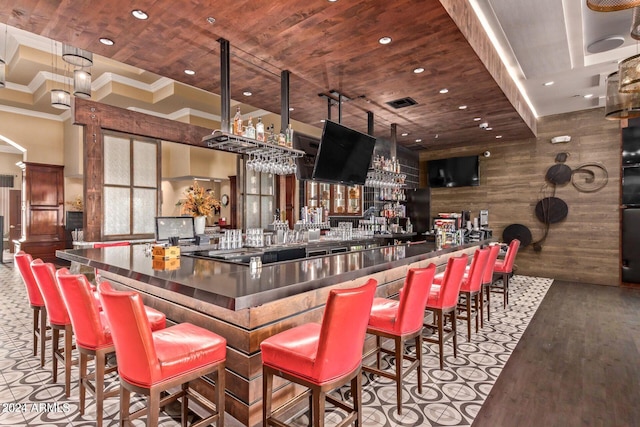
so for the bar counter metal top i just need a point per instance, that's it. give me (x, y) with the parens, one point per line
(236, 286)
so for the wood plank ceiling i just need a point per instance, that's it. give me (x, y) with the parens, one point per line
(325, 45)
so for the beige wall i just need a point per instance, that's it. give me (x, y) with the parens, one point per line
(585, 246)
(42, 138)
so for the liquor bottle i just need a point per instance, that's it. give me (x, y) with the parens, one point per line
(289, 136)
(250, 131)
(282, 138)
(260, 130)
(237, 123)
(272, 136)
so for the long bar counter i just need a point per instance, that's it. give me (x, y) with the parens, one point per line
(247, 306)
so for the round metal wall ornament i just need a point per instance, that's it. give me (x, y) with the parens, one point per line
(558, 174)
(551, 210)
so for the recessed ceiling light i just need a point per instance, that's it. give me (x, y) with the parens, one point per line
(498, 136)
(418, 70)
(444, 90)
(589, 95)
(384, 40)
(477, 119)
(462, 107)
(189, 72)
(247, 93)
(291, 108)
(332, 1)
(322, 121)
(489, 129)
(418, 140)
(139, 14)
(211, 20)
(107, 42)
(549, 83)
(405, 134)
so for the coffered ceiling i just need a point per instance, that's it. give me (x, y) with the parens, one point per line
(328, 46)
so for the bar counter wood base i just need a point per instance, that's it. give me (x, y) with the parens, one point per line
(245, 328)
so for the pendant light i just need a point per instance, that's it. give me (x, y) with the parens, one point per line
(629, 71)
(611, 5)
(3, 64)
(635, 24)
(60, 98)
(620, 105)
(82, 83)
(76, 56)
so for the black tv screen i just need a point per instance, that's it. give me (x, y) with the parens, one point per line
(454, 172)
(344, 155)
(630, 145)
(181, 227)
(631, 186)
(305, 164)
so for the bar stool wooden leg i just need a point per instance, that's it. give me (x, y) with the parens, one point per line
(43, 334)
(68, 346)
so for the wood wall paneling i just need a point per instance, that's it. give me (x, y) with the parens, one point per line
(585, 247)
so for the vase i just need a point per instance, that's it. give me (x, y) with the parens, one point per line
(199, 223)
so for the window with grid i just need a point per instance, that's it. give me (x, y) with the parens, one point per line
(131, 185)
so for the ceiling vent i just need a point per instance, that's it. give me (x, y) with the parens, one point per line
(402, 102)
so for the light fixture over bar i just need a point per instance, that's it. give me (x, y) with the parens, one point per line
(60, 99)
(2, 73)
(82, 83)
(629, 72)
(77, 56)
(611, 5)
(620, 105)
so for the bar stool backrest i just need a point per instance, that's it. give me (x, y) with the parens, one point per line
(23, 261)
(452, 280)
(510, 256)
(83, 310)
(344, 326)
(137, 358)
(477, 269)
(413, 298)
(45, 275)
(494, 251)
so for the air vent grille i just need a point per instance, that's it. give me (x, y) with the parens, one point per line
(402, 102)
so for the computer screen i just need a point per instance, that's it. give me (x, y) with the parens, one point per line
(175, 226)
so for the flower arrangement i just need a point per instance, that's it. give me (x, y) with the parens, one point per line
(76, 204)
(198, 201)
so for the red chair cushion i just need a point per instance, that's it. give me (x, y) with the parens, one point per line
(185, 347)
(157, 319)
(294, 350)
(383, 314)
(500, 267)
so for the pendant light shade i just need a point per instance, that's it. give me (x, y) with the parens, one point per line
(620, 105)
(82, 84)
(60, 99)
(611, 5)
(77, 56)
(635, 24)
(629, 71)
(2, 73)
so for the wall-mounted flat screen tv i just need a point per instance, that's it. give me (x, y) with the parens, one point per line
(631, 186)
(181, 227)
(305, 164)
(344, 155)
(630, 145)
(454, 172)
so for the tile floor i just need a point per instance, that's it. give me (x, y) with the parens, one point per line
(450, 397)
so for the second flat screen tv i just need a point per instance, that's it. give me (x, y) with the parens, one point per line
(344, 155)
(454, 172)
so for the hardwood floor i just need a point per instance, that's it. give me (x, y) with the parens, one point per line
(577, 364)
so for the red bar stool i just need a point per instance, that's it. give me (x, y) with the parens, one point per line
(109, 244)
(503, 269)
(23, 261)
(59, 320)
(487, 278)
(471, 287)
(401, 321)
(151, 363)
(323, 356)
(93, 337)
(443, 301)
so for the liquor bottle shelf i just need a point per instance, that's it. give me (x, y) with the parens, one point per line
(225, 141)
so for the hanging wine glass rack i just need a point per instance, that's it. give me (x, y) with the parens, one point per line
(239, 144)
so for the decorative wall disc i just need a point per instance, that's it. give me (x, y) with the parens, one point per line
(551, 210)
(558, 174)
(517, 231)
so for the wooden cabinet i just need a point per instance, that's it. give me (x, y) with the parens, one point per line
(43, 224)
(334, 198)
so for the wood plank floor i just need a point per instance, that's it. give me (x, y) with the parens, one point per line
(577, 364)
